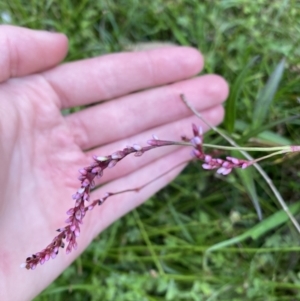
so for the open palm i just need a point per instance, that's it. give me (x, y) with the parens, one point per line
(41, 150)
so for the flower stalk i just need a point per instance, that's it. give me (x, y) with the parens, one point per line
(87, 176)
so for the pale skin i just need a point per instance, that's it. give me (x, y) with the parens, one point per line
(41, 150)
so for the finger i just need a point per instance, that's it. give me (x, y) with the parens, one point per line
(25, 51)
(172, 132)
(138, 112)
(113, 75)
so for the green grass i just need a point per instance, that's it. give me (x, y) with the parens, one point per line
(159, 251)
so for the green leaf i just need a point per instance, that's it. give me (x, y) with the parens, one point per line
(235, 91)
(256, 132)
(266, 95)
(271, 137)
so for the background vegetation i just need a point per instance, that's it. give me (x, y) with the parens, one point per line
(159, 251)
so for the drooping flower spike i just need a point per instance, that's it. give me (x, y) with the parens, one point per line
(69, 233)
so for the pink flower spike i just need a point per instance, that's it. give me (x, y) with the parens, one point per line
(117, 155)
(206, 166)
(86, 183)
(224, 171)
(207, 158)
(196, 141)
(80, 221)
(225, 164)
(100, 158)
(75, 245)
(76, 196)
(78, 215)
(70, 211)
(138, 153)
(100, 173)
(195, 129)
(81, 190)
(69, 248)
(200, 130)
(221, 170)
(152, 142)
(93, 184)
(69, 220)
(233, 160)
(42, 261)
(245, 165)
(195, 153)
(77, 231)
(83, 171)
(86, 197)
(112, 163)
(78, 202)
(137, 147)
(95, 170)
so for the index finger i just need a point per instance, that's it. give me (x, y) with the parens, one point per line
(109, 76)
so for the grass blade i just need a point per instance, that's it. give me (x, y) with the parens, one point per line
(260, 229)
(266, 95)
(235, 91)
(263, 128)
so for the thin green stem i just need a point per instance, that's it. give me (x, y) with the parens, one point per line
(286, 148)
(270, 155)
(249, 149)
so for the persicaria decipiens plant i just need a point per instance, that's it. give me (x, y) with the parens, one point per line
(68, 234)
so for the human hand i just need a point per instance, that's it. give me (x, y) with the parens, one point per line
(41, 150)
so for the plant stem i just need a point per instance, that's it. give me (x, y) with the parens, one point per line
(257, 166)
(284, 149)
(270, 155)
